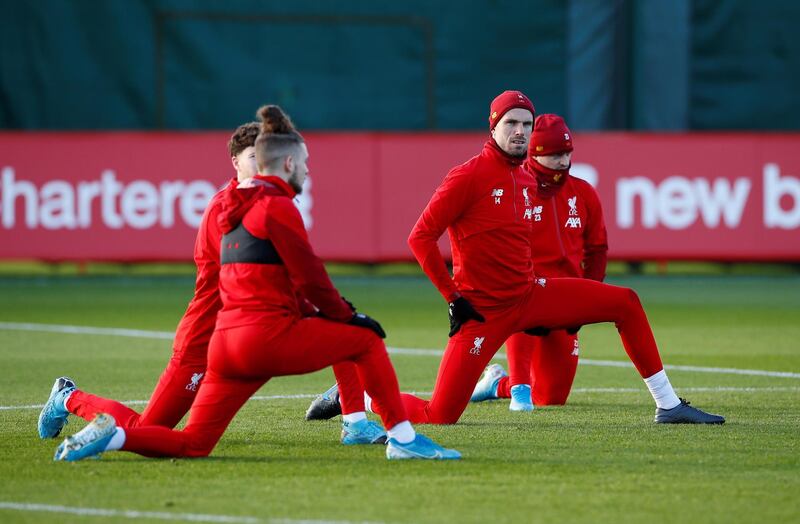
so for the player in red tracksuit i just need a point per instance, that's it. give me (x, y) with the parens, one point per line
(485, 204)
(177, 387)
(267, 264)
(178, 384)
(568, 239)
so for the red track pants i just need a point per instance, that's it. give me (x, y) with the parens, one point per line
(242, 359)
(547, 364)
(177, 389)
(170, 401)
(556, 303)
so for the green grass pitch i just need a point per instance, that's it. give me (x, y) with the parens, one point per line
(598, 459)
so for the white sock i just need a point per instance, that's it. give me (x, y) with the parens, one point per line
(368, 402)
(662, 391)
(66, 399)
(350, 418)
(116, 441)
(403, 432)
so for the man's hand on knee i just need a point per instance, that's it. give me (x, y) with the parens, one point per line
(365, 321)
(461, 312)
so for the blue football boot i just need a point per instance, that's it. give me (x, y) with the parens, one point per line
(420, 448)
(521, 398)
(88, 442)
(363, 432)
(54, 414)
(486, 388)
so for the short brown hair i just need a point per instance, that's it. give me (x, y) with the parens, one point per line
(244, 137)
(278, 137)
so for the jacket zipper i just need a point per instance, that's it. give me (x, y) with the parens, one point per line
(558, 230)
(514, 184)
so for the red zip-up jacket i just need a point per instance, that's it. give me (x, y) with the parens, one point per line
(485, 206)
(197, 325)
(568, 237)
(268, 268)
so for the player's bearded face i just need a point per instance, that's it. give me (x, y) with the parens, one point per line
(513, 132)
(300, 171)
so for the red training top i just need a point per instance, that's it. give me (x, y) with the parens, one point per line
(268, 268)
(569, 235)
(486, 206)
(197, 325)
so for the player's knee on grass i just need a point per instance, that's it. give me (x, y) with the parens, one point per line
(445, 416)
(551, 398)
(200, 445)
(445, 419)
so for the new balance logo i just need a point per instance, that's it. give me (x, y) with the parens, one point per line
(195, 381)
(476, 346)
(573, 222)
(496, 194)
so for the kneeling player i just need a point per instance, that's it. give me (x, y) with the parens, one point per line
(568, 240)
(485, 206)
(178, 384)
(266, 262)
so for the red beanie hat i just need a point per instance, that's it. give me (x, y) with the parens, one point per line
(550, 136)
(505, 102)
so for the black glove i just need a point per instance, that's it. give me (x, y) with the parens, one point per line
(461, 312)
(537, 331)
(574, 330)
(364, 321)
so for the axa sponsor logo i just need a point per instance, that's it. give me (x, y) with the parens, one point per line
(573, 222)
(476, 346)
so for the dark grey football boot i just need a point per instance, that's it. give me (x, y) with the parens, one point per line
(325, 406)
(683, 413)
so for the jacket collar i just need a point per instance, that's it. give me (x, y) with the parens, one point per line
(271, 180)
(491, 149)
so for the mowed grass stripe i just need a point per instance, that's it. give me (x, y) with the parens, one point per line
(702, 389)
(141, 333)
(158, 515)
(126, 513)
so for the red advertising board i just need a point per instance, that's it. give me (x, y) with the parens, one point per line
(139, 196)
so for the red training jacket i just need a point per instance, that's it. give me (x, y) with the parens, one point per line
(485, 205)
(197, 325)
(268, 267)
(569, 237)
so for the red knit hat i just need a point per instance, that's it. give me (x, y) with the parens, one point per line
(505, 102)
(550, 136)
